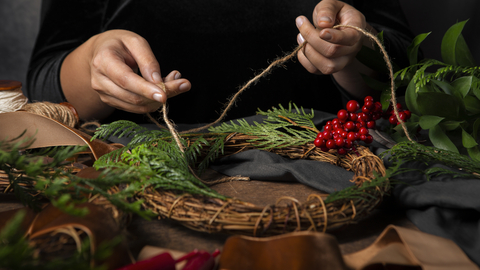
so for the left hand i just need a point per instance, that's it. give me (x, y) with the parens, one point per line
(330, 50)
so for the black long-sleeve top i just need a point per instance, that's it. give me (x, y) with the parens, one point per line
(216, 44)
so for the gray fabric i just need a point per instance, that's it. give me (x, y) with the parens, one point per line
(443, 205)
(266, 166)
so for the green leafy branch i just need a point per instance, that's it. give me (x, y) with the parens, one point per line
(443, 95)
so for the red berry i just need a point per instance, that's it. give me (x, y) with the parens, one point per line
(369, 105)
(319, 142)
(378, 107)
(350, 125)
(371, 124)
(342, 115)
(327, 135)
(392, 119)
(368, 99)
(344, 134)
(328, 128)
(369, 139)
(363, 131)
(342, 151)
(399, 106)
(363, 116)
(353, 117)
(340, 142)
(403, 116)
(353, 106)
(330, 144)
(363, 137)
(408, 113)
(351, 136)
(365, 109)
(348, 144)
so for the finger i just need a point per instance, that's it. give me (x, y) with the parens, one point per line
(325, 13)
(140, 50)
(345, 36)
(109, 91)
(307, 64)
(312, 36)
(304, 60)
(115, 102)
(112, 65)
(176, 87)
(174, 75)
(324, 64)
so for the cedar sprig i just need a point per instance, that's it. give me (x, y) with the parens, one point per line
(282, 128)
(413, 151)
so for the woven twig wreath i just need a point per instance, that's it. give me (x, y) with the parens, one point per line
(239, 217)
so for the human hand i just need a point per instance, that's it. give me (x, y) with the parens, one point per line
(330, 50)
(116, 56)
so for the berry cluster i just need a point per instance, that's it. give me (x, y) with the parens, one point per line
(350, 126)
(392, 118)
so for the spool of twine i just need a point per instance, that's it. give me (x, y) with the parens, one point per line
(12, 100)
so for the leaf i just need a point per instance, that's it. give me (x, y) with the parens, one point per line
(385, 99)
(454, 49)
(467, 140)
(411, 98)
(450, 125)
(440, 104)
(429, 121)
(446, 87)
(412, 50)
(474, 153)
(472, 104)
(440, 140)
(476, 126)
(462, 85)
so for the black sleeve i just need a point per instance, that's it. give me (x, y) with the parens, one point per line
(64, 26)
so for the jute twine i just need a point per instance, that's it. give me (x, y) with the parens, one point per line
(12, 100)
(274, 64)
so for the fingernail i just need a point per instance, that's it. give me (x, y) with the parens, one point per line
(325, 19)
(178, 75)
(326, 36)
(300, 39)
(299, 21)
(156, 77)
(157, 97)
(183, 87)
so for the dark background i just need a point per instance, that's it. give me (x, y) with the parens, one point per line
(20, 21)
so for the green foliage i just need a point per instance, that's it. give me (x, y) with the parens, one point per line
(282, 127)
(413, 151)
(25, 168)
(444, 95)
(17, 254)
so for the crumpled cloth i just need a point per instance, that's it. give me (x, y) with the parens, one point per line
(442, 205)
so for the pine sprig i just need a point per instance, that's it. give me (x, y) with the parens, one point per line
(413, 151)
(124, 128)
(282, 128)
(25, 168)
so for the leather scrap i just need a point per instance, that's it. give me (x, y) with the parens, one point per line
(42, 131)
(395, 248)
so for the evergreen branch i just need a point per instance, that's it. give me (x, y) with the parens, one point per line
(413, 151)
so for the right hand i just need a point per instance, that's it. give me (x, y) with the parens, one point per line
(113, 58)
